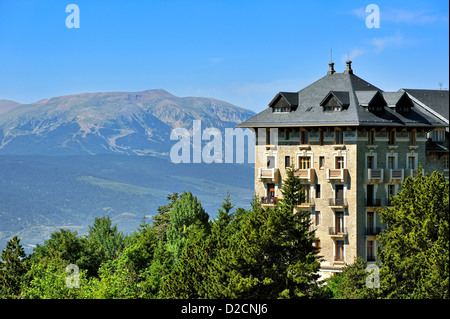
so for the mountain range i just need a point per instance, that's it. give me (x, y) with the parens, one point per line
(66, 160)
(132, 123)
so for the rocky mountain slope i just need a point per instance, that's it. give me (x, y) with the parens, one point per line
(132, 123)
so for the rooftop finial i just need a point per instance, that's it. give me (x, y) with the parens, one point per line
(331, 64)
(349, 67)
(330, 68)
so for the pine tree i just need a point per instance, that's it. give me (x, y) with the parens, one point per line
(12, 269)
(273, 253)
(186, 211)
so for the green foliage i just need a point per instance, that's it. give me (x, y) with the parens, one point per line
(65, 243)
(256, 253)
(413, 251)
(186, 211)
(415, 247)
(12, 269)
(351, 282)
(103, 243)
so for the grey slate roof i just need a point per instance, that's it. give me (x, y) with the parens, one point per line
(392, 98)
(310, 113)
(437, 100)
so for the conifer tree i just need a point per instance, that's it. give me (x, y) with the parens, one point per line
(273, 253)
(12, 269)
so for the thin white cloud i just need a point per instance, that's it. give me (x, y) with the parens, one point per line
(389, 41)
(412, 16)
(353, 54)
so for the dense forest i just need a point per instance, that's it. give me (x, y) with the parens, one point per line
(243, 253)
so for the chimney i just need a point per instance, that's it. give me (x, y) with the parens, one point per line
(330, 68)
(349, 67)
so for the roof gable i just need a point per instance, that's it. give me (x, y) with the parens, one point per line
(285, 99)
(342, 98)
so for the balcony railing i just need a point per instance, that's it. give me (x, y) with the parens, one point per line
(339, 175)
(337, 202)
(270, 174)
(375, 174)
(372, 231)
(309, 204)
(306, 174)
(373, 202)
(266, 200)
(338, 231)
(395, 175)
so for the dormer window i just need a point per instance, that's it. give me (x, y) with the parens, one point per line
(335, 101)
(372, 100)
(284, 102)
(399, 101)
(375, 108)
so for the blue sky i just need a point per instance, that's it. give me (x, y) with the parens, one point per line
(242, 52)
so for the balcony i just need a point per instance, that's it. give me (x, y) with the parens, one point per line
(395, 175)
(307, 175)
(269, 174)
(308, 205)
(372, 231)
(375, 175)
(373, 204)
(337, 203)
(268, 201)
(337, 232)
(337, 175)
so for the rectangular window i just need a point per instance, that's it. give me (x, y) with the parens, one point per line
(370, 251)
(304, 137)
(271, 192)
(370, 222)
(391, 140)
(438, 135)
(306, 193)
(338, 136)
(370, 193)
(412, 137)
(317, 245)
(339, 256)
(371, 162)
(391, 193)
(304, 162)
(412, 162)
(287, 161)
(321, 162)
(445, 161)
(317, 190)
(339, 222)
(321, 137)
(391, 162)
(270, 161)
(317, 221)
(371, 137)
(339, 162)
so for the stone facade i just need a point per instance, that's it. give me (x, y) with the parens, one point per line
(348, 182)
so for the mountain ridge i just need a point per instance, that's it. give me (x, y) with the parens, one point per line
(132, 123)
